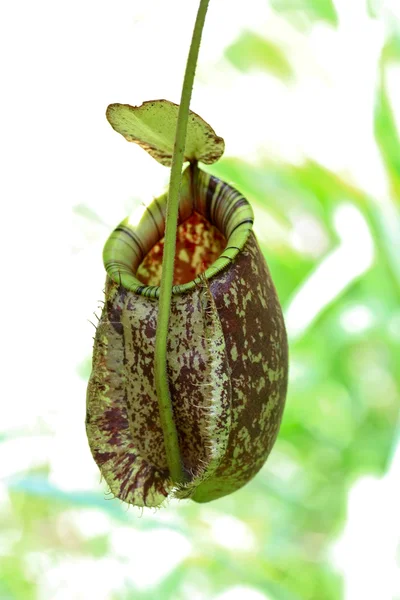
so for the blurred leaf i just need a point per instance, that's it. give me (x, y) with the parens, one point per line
(14, 583)
(85, 368)
(88, 213)
(387, 136)
(315, 10)
(251, 51)
(374, 8)
(391, 49)
(384, 219)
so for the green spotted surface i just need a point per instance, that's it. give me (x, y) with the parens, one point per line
(125, 456)
(215, 410)
(226, 353)
(122, 410)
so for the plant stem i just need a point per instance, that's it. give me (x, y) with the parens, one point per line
(171, 442)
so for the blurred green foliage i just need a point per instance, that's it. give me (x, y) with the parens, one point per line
(251, 51)
(315, 10)
(342, 409)
(386, 132)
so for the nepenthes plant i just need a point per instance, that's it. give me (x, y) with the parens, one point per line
(190, 358)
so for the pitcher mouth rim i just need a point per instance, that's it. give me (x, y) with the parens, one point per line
(219, 203)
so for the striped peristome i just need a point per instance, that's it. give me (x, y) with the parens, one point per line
(226, 350)
(216, 201)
